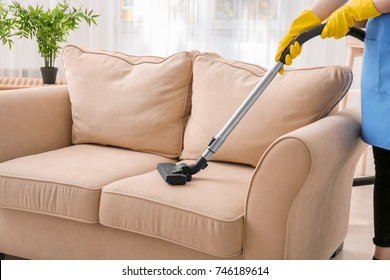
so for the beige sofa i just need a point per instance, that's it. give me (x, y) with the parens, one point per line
(78, 175)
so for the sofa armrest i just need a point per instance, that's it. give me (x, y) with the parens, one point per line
(34, 120)
(299, 197)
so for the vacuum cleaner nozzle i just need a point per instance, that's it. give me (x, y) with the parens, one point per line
(174, 174)
(179, 174)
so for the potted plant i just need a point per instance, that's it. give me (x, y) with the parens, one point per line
(49, 27)
(6, 24)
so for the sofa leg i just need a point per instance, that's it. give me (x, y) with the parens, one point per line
(338, 250)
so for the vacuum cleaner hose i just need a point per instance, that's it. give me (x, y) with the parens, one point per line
(316, 31)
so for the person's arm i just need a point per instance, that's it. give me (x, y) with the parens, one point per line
(340, 21)
(324, 8)
(383, 6)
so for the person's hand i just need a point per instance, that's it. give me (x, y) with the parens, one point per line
(306, 20)
(339, 23)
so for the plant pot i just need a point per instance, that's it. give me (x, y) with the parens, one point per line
(49, 74)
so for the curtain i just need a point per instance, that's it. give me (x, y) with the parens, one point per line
(247, 30)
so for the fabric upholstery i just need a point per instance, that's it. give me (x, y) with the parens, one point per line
(292, 100)
(42, 237)
(90, 201)
(299, 196)
(139, 103)
(205, 215)
(67, 182)
(34, 120)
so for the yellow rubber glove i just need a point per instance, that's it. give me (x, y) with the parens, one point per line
(339, 23)
(306, 20)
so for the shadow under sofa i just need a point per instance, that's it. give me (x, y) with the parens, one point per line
(79, 181)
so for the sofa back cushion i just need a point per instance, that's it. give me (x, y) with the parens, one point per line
(292, 100)
(136, 102)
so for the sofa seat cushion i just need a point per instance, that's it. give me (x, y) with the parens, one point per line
(206, 215)
(68, 182)
(121, 100)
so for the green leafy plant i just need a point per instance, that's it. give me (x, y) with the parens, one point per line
(6, 24)
(49, 27)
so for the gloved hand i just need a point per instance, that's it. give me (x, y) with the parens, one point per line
(339, 23)
(306, 20)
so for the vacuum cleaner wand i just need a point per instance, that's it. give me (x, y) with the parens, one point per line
(179, 174)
